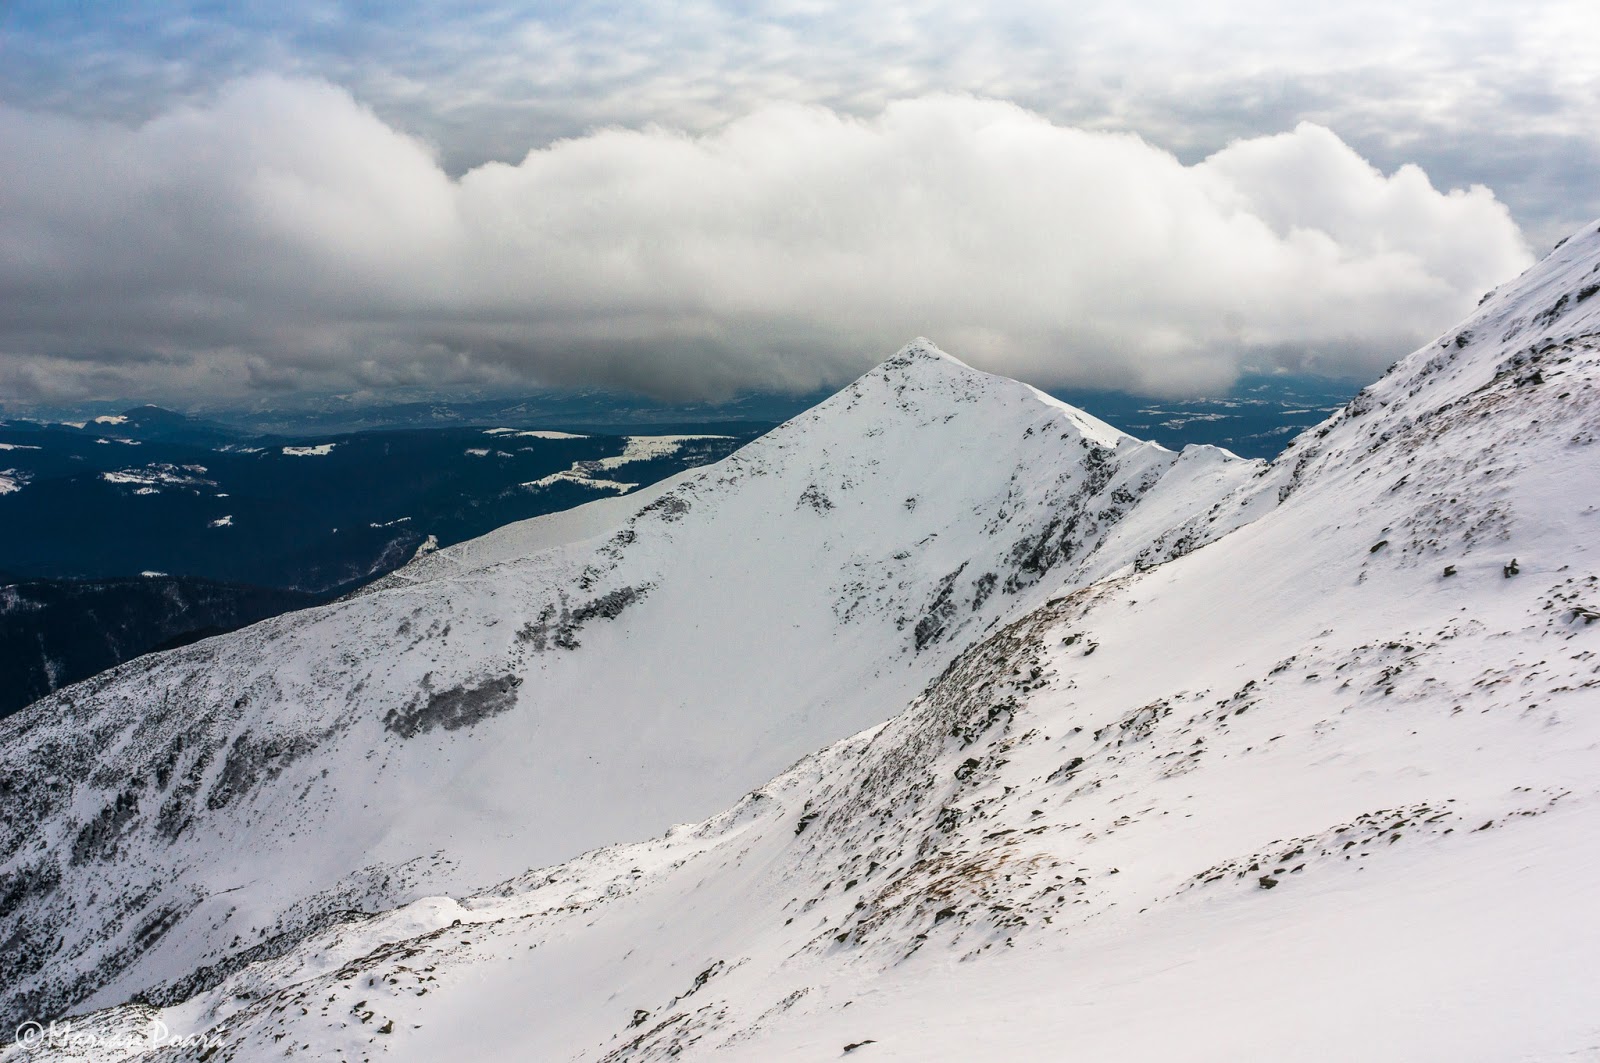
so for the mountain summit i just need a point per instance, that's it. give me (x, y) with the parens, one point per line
(1144, 754)
(572, 681)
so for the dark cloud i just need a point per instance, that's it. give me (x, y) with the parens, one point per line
(283, 236)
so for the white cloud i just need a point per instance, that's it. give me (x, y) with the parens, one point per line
(284, 236)
(1474, 90)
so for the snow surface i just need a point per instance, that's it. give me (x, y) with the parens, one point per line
(520, 434)
(526, 538)
(649, 448)
(583, 478)
(635, 448)
(151, 478)
(1227, 761)
(321, 450)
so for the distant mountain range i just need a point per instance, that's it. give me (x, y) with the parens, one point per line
(597, 412)
(1256, 417)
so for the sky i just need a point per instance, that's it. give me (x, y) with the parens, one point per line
(238, 203)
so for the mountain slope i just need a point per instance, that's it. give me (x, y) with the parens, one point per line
(1321, 787)
(574, 681)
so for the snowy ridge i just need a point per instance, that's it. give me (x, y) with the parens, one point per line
(571, 682)
(1324, 785)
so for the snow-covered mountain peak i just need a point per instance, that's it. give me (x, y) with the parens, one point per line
(921, 351)
(920, 372)
(933, 386)
(922, 365)
(568, 682)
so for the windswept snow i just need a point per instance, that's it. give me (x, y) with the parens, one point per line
(321, 450)
(11, 480)
(524, 539)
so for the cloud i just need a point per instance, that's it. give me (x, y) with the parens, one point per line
(282, 236)
(1475, 91)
